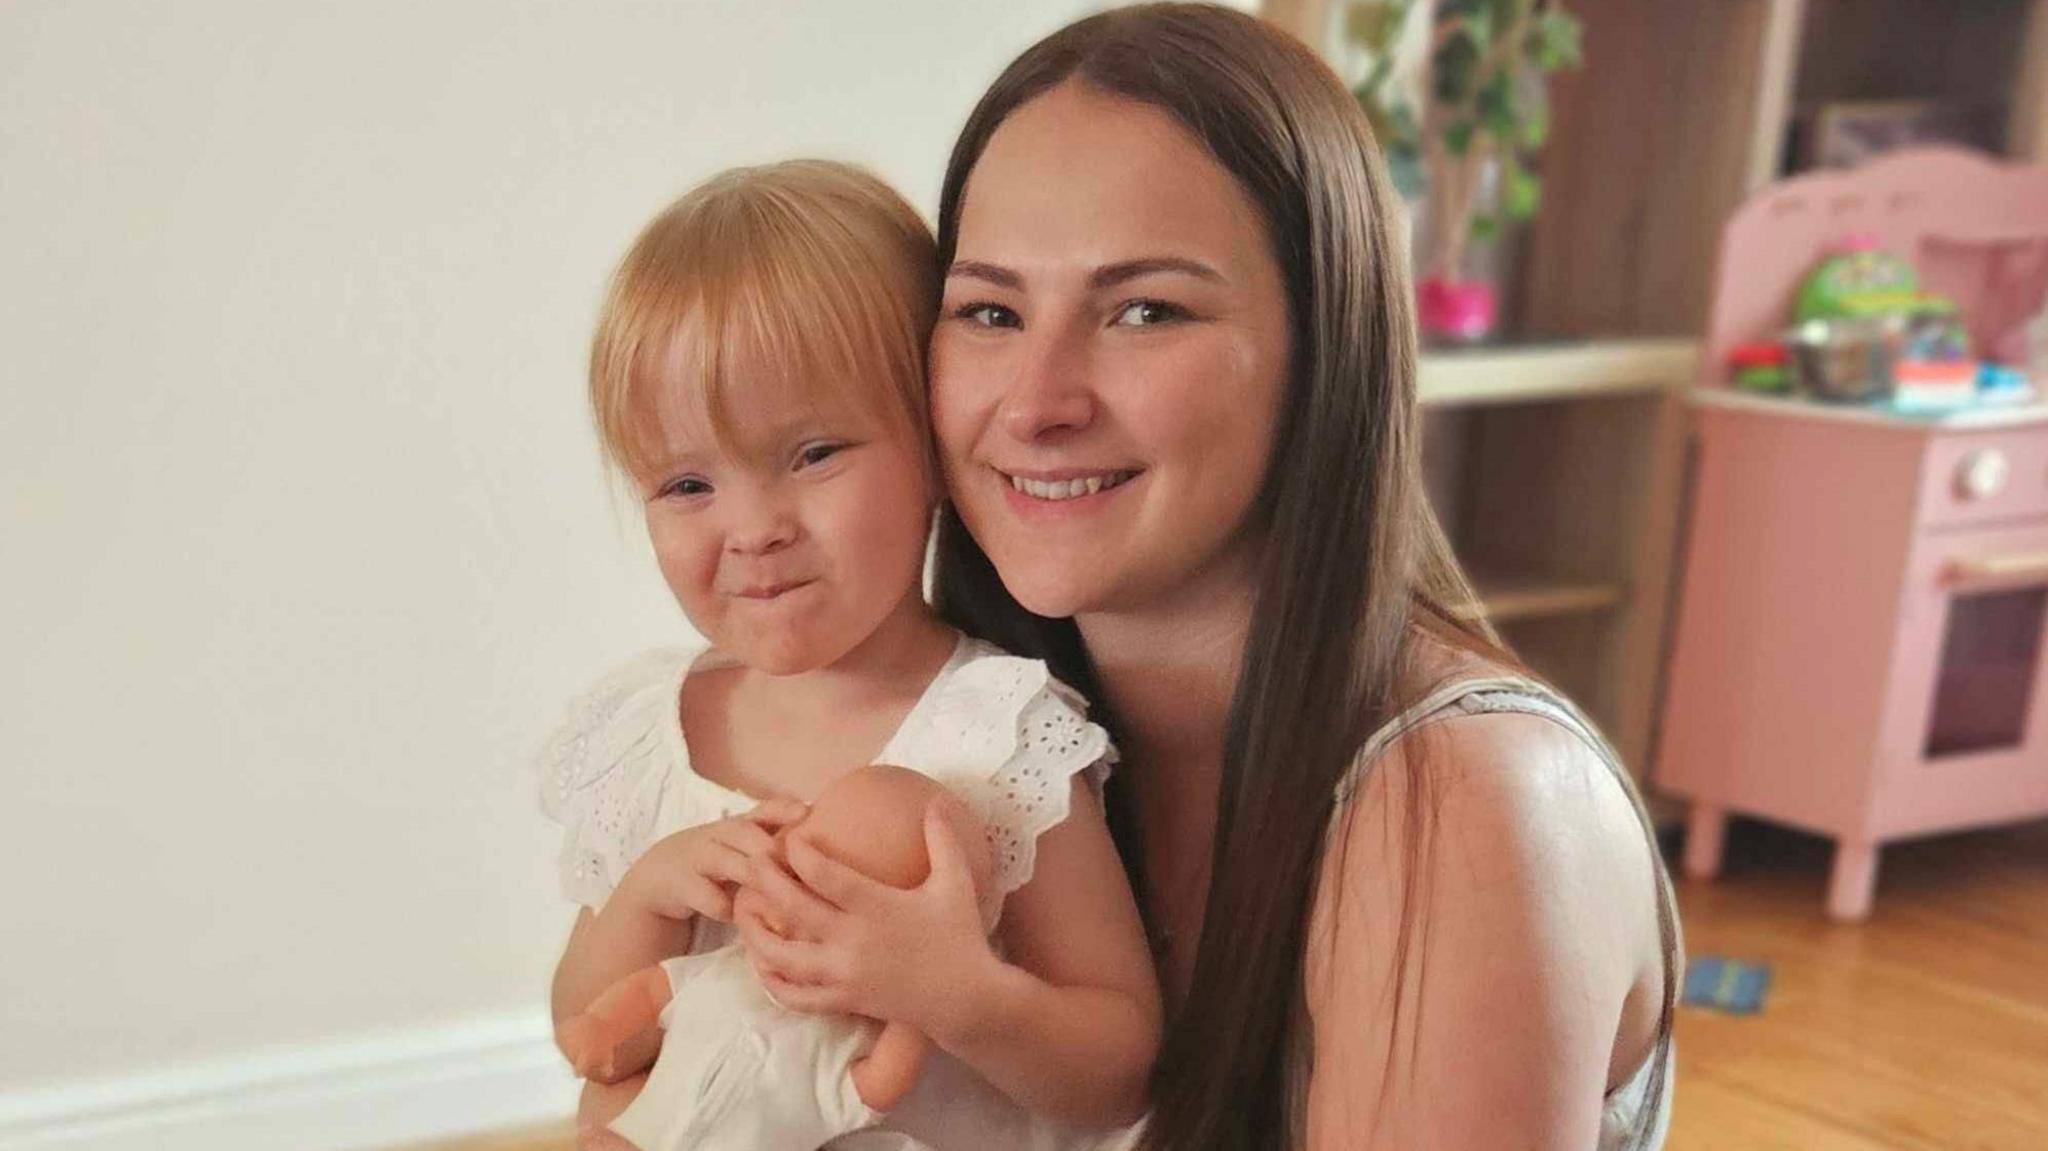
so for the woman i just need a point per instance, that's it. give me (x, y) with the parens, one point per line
(1400, 894)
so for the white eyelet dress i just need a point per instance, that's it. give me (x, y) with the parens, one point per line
(998, 731)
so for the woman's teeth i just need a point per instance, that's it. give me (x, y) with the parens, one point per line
(1069, 489)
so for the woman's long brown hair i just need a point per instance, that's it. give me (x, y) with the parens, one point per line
(1354, 563)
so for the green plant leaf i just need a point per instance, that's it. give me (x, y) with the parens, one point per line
(1521, 193)
(1497, 100)
(1555, 41)
(1372, 25)
(1485, 228)
(1458, 137)
(1478, 28)
(1452, 70)
(1404, 125)
(1382, 69)
(1406, 170)
(1536, 125)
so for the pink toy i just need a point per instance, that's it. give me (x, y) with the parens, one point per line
(1861, 647)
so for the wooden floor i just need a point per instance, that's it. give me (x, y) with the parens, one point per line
(1924, 1028)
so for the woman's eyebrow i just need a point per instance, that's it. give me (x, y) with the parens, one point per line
(1106, 276)
(995, 274)
(1110, 275)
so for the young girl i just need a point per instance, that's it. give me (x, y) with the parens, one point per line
(758, 374)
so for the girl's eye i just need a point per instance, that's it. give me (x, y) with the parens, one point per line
(685, 486)
(815, 454)
(1146, 313)
(987, 315)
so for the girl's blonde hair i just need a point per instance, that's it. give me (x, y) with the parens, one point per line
(806, 274)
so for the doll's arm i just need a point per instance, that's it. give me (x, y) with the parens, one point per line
(599, 1105)
(890, 1069)
(605, 947)
(595, 1041)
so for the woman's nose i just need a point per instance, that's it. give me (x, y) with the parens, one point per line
(1052, 392)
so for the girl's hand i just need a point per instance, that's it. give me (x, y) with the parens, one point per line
(696, 870)
(825, 938)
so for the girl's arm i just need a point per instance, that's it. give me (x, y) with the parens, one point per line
(1533, 915)
(1068, 1027)
(651, 916)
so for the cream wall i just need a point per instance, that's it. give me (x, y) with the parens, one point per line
(305, 541)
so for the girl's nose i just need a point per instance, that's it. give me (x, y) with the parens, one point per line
(760, 524)
(1051, 394)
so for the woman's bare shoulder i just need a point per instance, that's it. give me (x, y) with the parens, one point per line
(1503, 793)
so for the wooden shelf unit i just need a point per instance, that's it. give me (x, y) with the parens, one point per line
(1544, 465)
(1504, 598)
(1558, 466)
(1569, 369)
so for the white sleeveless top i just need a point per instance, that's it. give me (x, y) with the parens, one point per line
(997, 730)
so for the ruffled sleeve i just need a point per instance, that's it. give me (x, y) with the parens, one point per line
(1009, 739)
(603, 771)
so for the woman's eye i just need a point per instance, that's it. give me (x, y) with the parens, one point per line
(815, 454)
(1145, 313)
(987, 315)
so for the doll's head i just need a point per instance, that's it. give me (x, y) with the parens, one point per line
(872, 820)
(758, 374)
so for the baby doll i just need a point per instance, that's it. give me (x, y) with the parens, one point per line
(743, 1073)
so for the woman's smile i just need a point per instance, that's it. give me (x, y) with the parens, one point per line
(1063, 492)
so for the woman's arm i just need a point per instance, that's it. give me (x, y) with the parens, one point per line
(1068, 1027)
(1528, 922)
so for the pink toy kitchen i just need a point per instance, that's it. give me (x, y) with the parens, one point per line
(1860, 648)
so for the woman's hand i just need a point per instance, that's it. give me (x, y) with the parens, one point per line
(825, 938)
(696, 870)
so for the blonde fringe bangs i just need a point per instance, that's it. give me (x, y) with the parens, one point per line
(807, 275)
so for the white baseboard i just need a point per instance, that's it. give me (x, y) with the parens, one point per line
(375, 1092)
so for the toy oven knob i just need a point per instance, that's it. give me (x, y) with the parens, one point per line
(1983, 474)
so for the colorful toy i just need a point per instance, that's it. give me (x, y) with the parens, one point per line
(1858, 279)
(1765, 368)
(2003, 386)
(1934, 385)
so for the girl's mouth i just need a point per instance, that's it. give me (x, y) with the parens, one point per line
(769, 590)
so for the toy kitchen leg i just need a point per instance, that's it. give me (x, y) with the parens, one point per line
(1706, 830)
(1853, 883)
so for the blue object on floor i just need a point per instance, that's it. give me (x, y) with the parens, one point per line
(1726, 985)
